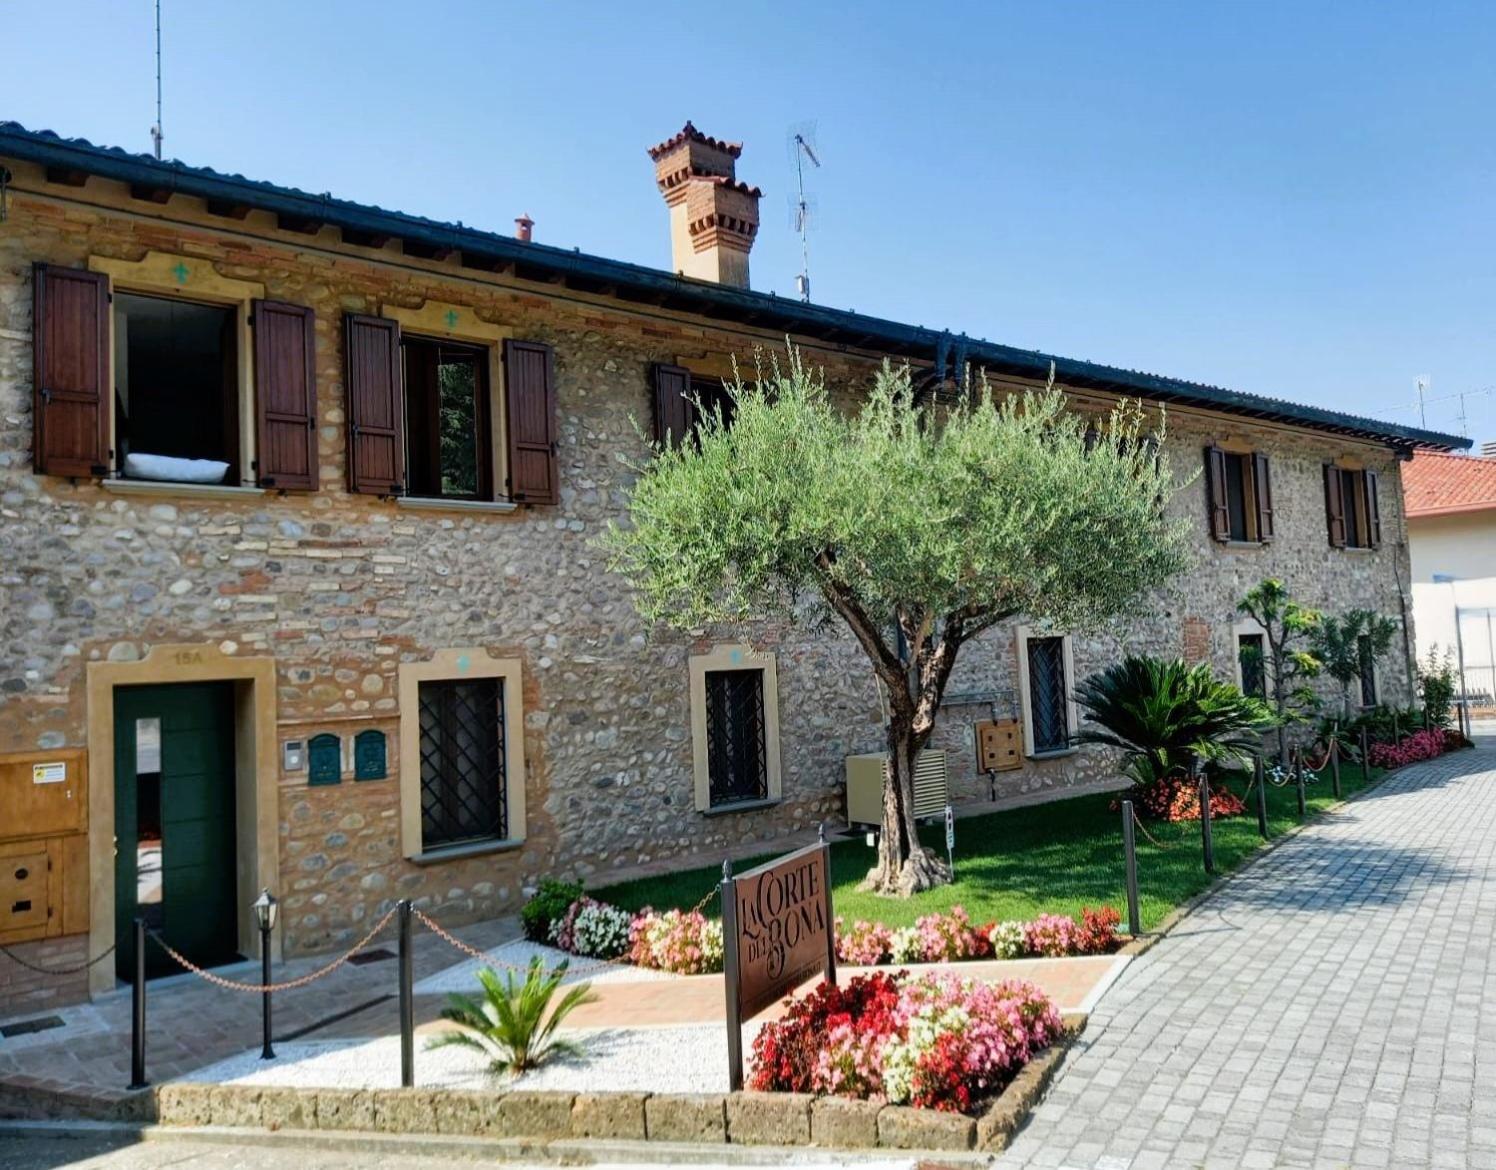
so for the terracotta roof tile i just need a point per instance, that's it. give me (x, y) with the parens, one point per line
(689, 131)
(1436, 484)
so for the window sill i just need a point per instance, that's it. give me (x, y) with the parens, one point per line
(1244, 544)
(1056, 754)
(165, 487)
(738, 806)
(1357, 550)
(436, 504)
(462, 852)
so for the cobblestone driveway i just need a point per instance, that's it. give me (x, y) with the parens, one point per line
(1333, 1006)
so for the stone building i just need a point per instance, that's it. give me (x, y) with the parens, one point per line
(298, 578)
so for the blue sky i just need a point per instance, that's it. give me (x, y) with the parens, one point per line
(1294, 199)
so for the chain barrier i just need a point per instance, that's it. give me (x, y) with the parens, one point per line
(1138, 823)
(75, 970)
(263, 988)
(489, 960)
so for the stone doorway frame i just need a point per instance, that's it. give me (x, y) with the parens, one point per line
(257, 815)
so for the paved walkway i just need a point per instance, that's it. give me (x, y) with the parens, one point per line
(1334, 1006)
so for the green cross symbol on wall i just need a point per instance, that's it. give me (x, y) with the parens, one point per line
(181, 272)
(451, 318)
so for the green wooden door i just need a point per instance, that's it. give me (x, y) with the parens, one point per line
(174, 827)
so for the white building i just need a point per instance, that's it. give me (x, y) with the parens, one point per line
(1451, 510)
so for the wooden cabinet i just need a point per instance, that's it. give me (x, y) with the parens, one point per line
(43, 844)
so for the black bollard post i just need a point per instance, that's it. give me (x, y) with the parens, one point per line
(407, 1000)
(1259, 778)
(1130, 853)
(1365, 754)
(1298, 775)
(1335, 764)
(137, 1012)
(266, 1052)
(1206, 844)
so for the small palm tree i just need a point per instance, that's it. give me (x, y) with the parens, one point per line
(1161, 713)
(515, 1025)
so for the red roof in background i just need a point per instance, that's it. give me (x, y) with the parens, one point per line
(1436, 484)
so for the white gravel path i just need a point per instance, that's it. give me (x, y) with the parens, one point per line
(688, 1059)
(464, 976)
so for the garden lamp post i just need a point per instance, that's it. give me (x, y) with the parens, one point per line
(266, 910)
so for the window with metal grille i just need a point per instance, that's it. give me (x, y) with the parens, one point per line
(737, 761)
(463, 785)
(1249, 654)
(1368, 671)
(1047, 694)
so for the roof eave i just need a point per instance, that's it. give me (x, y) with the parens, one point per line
(636, 282)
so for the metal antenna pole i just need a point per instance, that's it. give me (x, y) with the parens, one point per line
(156, 134)
(804, 228)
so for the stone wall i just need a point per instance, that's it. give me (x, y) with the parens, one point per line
(341, 589)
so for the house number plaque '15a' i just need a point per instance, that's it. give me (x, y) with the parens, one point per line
(777, 931)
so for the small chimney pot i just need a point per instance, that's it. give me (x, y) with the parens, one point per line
(524, 228)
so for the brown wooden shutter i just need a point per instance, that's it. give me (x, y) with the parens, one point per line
(530, 388)
(1373, 510)
(1215, 494)
(672, 404)
(285, 395)
(70, 371)
(1262, 484)
(1334, 506)
(376, 405)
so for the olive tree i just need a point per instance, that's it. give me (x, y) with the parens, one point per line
(917, 527)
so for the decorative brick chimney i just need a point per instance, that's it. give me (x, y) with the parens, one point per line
(713, 217)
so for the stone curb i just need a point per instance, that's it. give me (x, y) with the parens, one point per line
(540, 1118)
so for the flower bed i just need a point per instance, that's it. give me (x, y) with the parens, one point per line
(1177, 798)
(934, 1041)
(688, 943)
(951, 937)
(1413, 749)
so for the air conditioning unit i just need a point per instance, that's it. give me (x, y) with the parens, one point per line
(866, 775)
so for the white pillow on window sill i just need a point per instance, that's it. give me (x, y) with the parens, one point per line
(173, 469)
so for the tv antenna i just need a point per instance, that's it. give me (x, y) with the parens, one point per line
(156, 129)
(802, 146)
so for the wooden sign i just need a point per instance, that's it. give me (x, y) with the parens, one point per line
(777, 931)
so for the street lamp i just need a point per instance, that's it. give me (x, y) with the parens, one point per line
(266, 910)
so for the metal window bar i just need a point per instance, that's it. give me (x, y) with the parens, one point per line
(464, 789)
(1047, 693)
(737, 762)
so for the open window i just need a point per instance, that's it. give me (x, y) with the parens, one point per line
(423, 411)
(1251, 664)
(681, 398)
(176, 390)
(1239, 496)
(163, 370)
(448, 449)
(1366, 670)
(1352, 510)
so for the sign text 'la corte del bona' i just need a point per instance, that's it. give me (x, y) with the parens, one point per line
(777, 932)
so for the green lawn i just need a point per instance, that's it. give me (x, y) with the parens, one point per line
(1054, 857)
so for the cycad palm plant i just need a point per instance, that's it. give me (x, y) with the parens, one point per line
(1161, 713)
(515, 1025)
